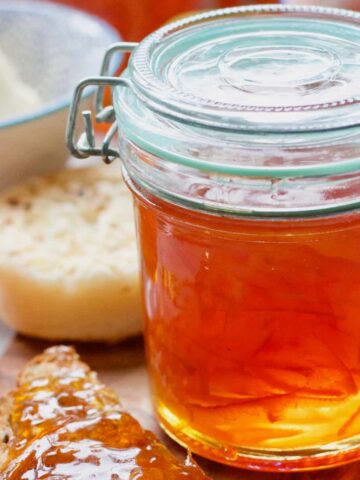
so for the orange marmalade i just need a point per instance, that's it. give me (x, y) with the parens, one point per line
(65, 425)
(252, 331)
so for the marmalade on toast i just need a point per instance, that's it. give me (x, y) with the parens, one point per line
(64, 424)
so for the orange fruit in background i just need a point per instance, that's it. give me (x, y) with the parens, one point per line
(135, 19)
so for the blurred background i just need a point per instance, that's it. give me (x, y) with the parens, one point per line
(137, 18)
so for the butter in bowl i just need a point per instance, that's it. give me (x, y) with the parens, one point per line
(43, 50)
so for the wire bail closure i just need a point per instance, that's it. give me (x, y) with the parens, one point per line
(85, 145)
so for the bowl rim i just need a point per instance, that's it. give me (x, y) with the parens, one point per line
(43, 7)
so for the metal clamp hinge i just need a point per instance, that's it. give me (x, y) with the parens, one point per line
(85, 145)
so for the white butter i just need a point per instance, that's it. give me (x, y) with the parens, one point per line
(16, 97)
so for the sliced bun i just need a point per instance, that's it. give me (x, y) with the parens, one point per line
(68, 260)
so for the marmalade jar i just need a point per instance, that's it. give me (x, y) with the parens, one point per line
(240, 139)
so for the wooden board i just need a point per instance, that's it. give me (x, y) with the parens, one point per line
(123, 368)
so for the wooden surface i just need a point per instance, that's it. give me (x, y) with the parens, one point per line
(123, 368)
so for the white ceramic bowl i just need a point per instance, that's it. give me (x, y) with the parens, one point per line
(53, 48)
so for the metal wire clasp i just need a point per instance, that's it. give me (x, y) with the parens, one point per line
(85, 145)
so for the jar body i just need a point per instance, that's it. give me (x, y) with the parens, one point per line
(253, 333)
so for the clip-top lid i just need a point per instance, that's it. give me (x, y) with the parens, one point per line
(237, 70)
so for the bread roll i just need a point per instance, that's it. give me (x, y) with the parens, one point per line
(68, 260)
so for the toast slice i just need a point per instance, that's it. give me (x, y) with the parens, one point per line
(62, 423)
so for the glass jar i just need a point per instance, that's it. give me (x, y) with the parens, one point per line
(240, 139)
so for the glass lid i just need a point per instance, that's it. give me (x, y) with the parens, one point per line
(261, 68)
